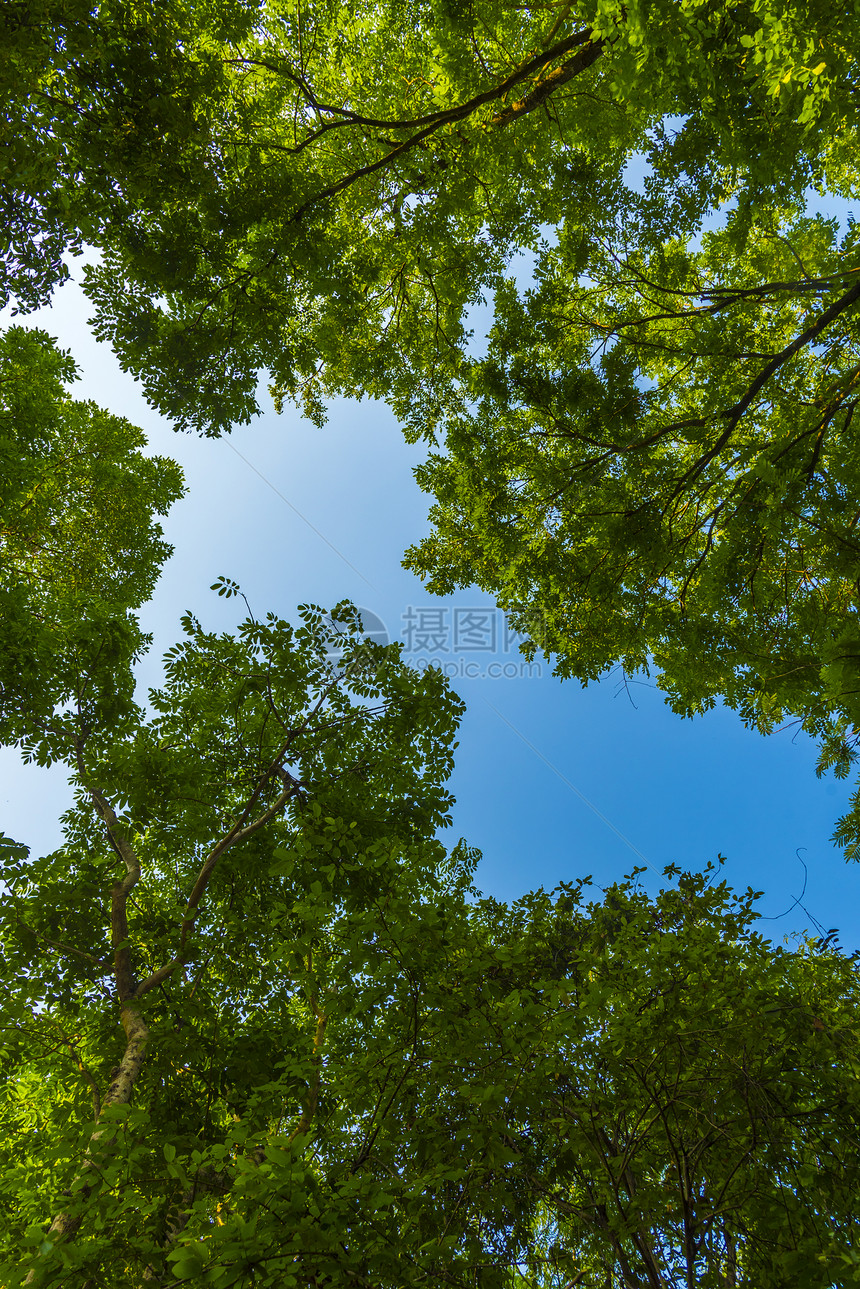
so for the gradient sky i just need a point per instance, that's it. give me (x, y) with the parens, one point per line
(552, 781)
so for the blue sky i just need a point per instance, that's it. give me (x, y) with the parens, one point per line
(552, 781)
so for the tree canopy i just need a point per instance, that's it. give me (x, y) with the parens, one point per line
(80, 547)
(258, 1027)
(657, 466)
(241, 876)
(321, 192)
(658, 1063)
(353, 1075)
(654, 461)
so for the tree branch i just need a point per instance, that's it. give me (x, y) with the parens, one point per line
(542, 90)
(88, 1076)
(435, 121)
(120, 891)
(734, 414)
(204, 876)
(60, 946)
(310, 1107)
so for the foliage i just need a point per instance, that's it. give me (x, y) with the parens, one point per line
(323, 191)
(654, 462)
(360, 1078)
(684, 1100)
(79, 544)
(243, 874)
(250, 888)
(258, 1028)
(656, 465)
(99, 100)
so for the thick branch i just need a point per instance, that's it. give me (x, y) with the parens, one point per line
(432, 123)
(447, 114)
(450, 116)
(551, 82)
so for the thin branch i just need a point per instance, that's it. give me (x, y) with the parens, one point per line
(61, 947)
(88, 1075)
(235, 835)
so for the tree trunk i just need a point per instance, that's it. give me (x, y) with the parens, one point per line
(65, 1226)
